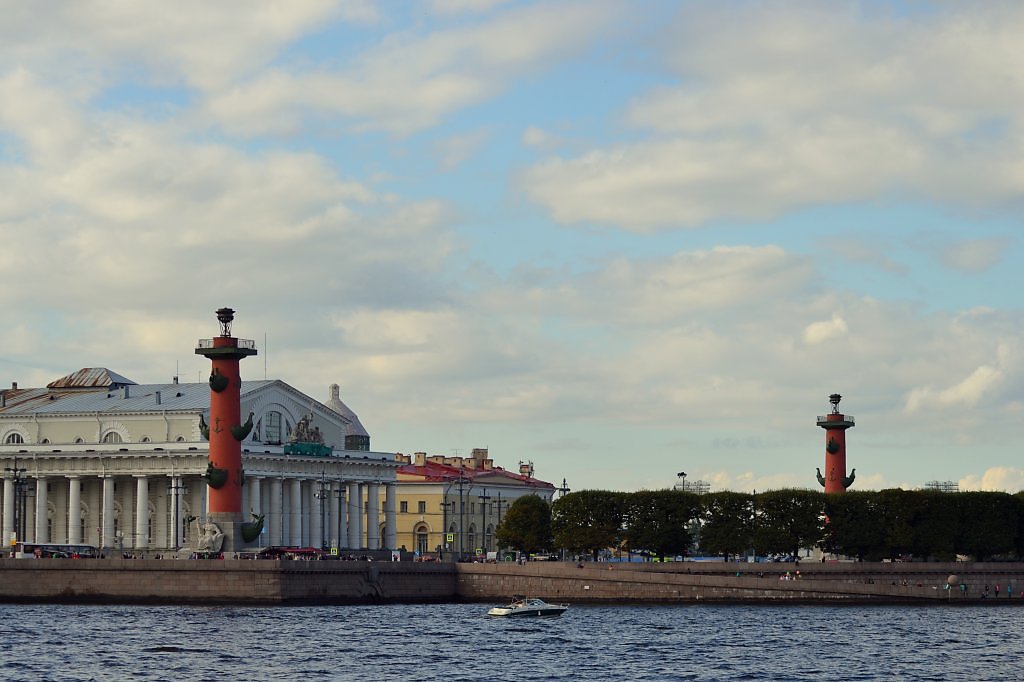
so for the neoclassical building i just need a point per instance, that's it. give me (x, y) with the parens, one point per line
(451, 506)
(96, 458)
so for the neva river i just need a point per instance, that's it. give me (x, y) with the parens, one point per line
(458, 642)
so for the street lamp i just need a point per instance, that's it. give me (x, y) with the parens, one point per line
(323, 492)
(483, 518)
(176, 489)
(21, 494)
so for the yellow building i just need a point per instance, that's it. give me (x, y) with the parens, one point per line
(451, 506)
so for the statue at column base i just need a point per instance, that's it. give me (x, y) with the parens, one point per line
(208, 538)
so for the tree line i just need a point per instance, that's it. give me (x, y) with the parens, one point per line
(868, 525)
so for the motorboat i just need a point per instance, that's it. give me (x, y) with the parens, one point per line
(528, 606)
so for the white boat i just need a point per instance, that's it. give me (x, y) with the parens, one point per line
(528, 607)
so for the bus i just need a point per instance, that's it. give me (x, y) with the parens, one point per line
(52, 550)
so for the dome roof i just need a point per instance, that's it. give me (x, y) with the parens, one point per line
(355, 428)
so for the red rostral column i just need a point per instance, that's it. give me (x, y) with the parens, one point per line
(224, 474)
(835, 424)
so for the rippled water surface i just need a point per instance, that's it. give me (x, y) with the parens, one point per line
(459, 642)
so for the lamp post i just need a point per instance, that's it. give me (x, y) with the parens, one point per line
(483, 519)
(323, 494)
(21, 494)
(176, 489)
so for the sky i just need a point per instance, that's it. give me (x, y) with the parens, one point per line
(620, 240)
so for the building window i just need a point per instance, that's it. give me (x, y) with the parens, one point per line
(272, 431)
(112, 437)
(421, 506)
(180, 439)
(403, 507)
(421, 540)
(79, 441)
(145, 439)
(14, 439)
(45, 441)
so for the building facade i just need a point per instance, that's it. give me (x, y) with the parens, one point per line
(95, 458)
(450, 507)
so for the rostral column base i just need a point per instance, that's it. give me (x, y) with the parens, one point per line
(230, 524)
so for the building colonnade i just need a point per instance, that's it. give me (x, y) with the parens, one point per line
(159, 511)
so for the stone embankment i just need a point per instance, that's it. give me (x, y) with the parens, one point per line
(263, 582)
(693, 582)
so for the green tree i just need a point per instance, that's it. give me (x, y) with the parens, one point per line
(527, 525)
(726, 526)
(988, 524)
(656, 521)
(853, 525)
(787, 520)
(588, 521)
(937, 525)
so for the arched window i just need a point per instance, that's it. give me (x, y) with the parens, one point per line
(145, 439)
(14, 439)
(45, 441)
(79, 441)
(272, 428)
(112, 437)
(180, 439)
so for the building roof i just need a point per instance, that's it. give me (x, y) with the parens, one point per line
(91, 378)
(71, 396)
(434, 472)
(355, 427)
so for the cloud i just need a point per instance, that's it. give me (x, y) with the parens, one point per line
(783, 106)
(446, 7)
(457, 149)
(966, 393)
(819, 332)
(207, 45)
(408, 82)
(999, 479)
(973, 256)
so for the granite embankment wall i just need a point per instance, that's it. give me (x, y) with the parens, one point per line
(233, 581)
(724, 582)
(227, 581)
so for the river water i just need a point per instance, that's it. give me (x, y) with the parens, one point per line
(459, 642)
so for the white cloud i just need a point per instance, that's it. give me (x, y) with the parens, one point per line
(408, 82)
(781, 107)
(1000, 479)
(972, 256)
(966, 393)
(446, 7)
(207, 45)
(819, 332)
(457, 149)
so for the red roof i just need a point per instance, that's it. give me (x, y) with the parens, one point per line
(432, 472)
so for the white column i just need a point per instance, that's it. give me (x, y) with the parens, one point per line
(373, 515)
(8, 524)
(255, 498)
(141, 512)
(42, 532)
(295, 533)
(107, 539)
(321, 492)
(74, 510)
(172, 532)
(390, 516)
(276, 522)
(332, 513)
(341, 504)
(355, 515)
(307, 513)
